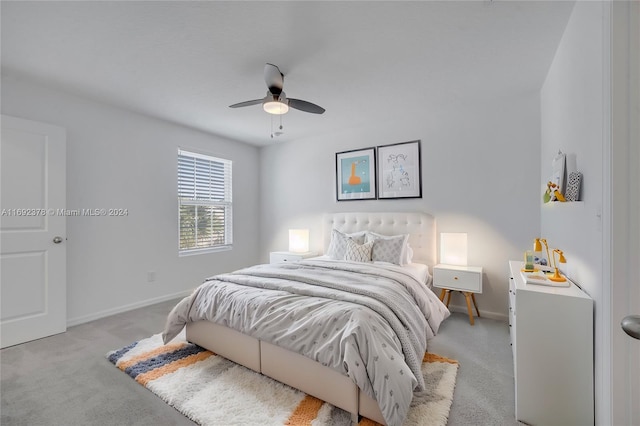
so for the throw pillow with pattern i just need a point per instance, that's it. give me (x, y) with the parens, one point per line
(338, 244)
(388, 249)
(358, 252)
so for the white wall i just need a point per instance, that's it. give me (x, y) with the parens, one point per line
(119, 159)
(573, 108)
(480, 169)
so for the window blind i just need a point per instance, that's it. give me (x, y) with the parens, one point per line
(204, 202)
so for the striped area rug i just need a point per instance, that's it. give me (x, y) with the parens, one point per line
(213, 391)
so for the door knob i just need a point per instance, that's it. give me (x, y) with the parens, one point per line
(57, 240)
(631, 325)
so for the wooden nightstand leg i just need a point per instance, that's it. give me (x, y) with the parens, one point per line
(473, 297)
(442, 293)
(467, 297)
(448, 297)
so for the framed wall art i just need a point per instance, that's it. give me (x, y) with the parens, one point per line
(399, 170)
(356, 174)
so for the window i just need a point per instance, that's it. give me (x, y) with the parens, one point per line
(204, 203)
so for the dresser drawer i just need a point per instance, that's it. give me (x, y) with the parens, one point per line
(512, 318)
(283, 257)
(461, 279)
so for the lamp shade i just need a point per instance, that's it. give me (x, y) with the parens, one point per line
(453, 248)
(299, 240)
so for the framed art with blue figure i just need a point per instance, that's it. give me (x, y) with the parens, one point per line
(356, 175)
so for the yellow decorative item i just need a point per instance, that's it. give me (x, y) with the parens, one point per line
(537, 246)
(553, 193)
(557, 277)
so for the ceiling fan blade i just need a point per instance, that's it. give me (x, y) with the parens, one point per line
(305, 106)
(247, 103)
(274, 78)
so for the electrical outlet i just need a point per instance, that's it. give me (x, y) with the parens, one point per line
(151, 276)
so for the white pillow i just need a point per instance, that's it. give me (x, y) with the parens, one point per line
(338, 244)
(358, 252)
(392, 249)
(409, 254)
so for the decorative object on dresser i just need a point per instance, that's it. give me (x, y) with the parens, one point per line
(537, 248)
(465, 279)
(289, 256)
(554, 279)
(529, 265)
(399, 170)
(356, 174)
(551, 333)
(557, 276)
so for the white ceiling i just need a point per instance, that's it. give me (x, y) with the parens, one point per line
(186, 62)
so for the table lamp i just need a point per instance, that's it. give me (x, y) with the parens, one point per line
(453, 248)
(298, 240)
(537, 246)
(556, 274)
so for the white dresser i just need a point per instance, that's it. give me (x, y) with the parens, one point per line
(552, 341)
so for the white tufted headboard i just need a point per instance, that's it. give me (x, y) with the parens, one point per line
(421, 228)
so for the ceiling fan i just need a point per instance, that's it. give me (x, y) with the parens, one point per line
(276, 102)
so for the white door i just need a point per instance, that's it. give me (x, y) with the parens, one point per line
(33, 271)
(633, 281)
(625, 211)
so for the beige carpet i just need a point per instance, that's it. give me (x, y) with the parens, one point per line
(213, 391)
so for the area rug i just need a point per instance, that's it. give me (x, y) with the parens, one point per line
(213, 391)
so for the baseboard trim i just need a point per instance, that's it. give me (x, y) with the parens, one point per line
(148, 302)
(483, 314)
(120, 309)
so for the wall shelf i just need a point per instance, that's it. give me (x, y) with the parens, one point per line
(560, 204)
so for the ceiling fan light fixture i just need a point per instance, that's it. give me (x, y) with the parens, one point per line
(275, 107)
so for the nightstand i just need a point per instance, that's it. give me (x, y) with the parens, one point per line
(287, 256)
(465, 279)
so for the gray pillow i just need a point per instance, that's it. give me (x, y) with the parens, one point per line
(338, 245)
(388, 249)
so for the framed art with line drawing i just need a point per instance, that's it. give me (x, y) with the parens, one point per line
(356, 174)
(399, 170)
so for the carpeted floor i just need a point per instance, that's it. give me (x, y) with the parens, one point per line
(66, 380)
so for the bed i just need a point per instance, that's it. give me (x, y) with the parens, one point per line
(278, 319)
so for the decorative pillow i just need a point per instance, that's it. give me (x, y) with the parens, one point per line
(358, 252)
(409, 254)
(389, 249)
(338, 244)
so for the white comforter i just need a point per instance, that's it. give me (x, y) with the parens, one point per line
(366, 321)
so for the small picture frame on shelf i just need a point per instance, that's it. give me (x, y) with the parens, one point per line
(556, 184)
